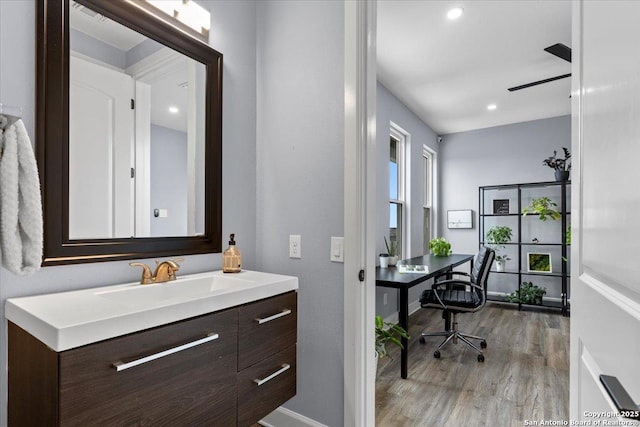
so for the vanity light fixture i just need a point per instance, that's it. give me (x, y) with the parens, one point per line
(455, 13)
(491, 107)
(187, 15)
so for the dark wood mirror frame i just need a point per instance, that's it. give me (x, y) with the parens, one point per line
(52, 137)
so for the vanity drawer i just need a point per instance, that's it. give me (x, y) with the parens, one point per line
(265, 386)
(266, 327)
(195, 385)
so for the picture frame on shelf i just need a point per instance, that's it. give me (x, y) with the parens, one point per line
(501, 206)
(539, 262)
(460, 219)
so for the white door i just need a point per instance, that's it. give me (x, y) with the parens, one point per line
(100, 152)
(605, 284)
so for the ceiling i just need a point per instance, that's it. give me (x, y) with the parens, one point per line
(448, 71)
(89, 22)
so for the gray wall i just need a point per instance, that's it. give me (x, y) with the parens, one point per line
(300, 187)
(391, 109)
(233, 33)
(168, 181)
(97, 49)
(141, 50)
(507, 154)
(93, 48)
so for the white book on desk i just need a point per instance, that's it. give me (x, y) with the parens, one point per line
(416, 269)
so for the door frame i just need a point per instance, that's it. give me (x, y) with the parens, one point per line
(359, 212)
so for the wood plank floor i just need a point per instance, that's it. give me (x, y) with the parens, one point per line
(525, 375)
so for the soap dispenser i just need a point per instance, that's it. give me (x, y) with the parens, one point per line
(231, 258)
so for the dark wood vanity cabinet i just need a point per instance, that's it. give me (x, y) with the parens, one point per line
(200, 382)
(267, 331)
(194, 386)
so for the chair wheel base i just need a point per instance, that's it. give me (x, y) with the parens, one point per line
(481, 358)
(436, 354)
(423, 341)
(483, 344)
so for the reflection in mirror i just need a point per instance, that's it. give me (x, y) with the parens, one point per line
(136, 133)
(87, 223)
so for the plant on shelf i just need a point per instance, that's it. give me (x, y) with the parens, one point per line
(439, 246)
(528, 294)
(392, 250)
(497, 237)
(567, 240)
(388, 333)
(561, 166)
(543, 207)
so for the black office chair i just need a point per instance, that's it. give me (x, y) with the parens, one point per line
(455, 296)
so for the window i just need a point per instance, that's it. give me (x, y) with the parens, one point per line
(396, 192)
(427, 206)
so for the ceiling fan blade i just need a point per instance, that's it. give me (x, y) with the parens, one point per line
(539, 82)
(560, 50)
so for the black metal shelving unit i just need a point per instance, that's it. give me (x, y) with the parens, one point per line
(540, 189)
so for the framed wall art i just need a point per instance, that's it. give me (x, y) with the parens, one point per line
(460, 219)
(501, 206)
(539, 262)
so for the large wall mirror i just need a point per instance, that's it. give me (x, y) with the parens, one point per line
(129, 134)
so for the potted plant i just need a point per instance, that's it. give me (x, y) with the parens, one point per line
(388, 333)
(439, 246)
(392, 250)
(561, 166)
(567, 240)
(497, 237)
(543, 207)
(528, 294)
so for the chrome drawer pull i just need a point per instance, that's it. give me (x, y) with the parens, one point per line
(285, 367)
(274, 317)
(121, 366)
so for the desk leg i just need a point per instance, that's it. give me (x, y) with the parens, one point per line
(404, 322)
(445, 314)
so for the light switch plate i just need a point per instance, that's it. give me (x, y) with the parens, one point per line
(337, 249)
(295, 250)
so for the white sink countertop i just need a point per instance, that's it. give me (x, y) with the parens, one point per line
(72, 319)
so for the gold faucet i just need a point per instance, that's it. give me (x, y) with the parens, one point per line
(165, 271)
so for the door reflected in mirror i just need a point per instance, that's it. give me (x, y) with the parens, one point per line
(136, 134)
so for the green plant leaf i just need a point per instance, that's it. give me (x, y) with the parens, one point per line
(439, 246)
(388, 333)
(497, 236)
(528, 294)
(544, 207)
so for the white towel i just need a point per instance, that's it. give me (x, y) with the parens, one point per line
(20, 202)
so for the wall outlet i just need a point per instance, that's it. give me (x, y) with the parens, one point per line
(295, 250)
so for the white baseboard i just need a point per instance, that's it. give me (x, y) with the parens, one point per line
(413, 307)
(504, 294)
(283, 417)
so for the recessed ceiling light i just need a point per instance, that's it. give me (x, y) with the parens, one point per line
(174, 110)
(455, 13)
(491, 107)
